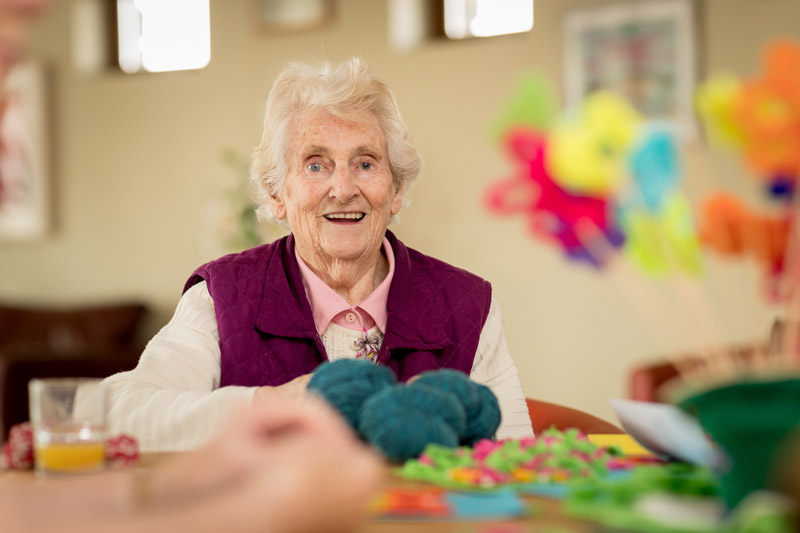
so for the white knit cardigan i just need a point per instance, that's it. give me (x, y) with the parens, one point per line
(172, 400)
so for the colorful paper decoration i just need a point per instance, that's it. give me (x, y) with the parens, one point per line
(731, 228)
(589, 149)
(715, 100)
(553, 212)
(599, 181)
(664, 242)
(532, 104)
(759, 117)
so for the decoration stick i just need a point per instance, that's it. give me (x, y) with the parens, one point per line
(635, 294)
(790, 285)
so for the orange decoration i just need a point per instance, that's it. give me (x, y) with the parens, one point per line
(771, 128)
(729, 227)
(782, 70)
(768, 112)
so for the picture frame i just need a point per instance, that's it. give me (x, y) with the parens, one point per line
(644, 50)
(279, 16)
(25, 189)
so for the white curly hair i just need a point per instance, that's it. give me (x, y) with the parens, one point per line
(343, 91)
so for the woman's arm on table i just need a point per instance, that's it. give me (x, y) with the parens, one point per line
(294, 467)
(494, 368)
(172, 400)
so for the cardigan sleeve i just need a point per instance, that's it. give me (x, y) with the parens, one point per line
(494, 368)
(172, 401)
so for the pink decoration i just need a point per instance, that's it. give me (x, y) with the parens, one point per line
(482, 448)
(122, 451)
(554, 213)
(17, 454)
(18, 450)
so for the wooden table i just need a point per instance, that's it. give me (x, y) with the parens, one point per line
(547, 512)
(547, 516)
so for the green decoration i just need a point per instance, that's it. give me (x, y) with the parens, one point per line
(532, 103)
(750, 420)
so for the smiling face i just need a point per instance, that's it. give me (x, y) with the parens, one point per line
(339, 193)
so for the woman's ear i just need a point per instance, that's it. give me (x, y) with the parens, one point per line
(397, 199)
(276, 205)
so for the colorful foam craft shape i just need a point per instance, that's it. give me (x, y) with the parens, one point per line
(596, 174)
(771, 130)
(532, 104)
(666, 241)
(714, 101)
(588, 150)
(655, 168)
(760, 115)
(554, 213)
(731, 228)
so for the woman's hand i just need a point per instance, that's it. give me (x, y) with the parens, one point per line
(292, 390)
(293, 466)
(248, 444)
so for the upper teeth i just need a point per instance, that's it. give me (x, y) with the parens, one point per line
(345, 215)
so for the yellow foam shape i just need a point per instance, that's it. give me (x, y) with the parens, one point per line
(624, 442)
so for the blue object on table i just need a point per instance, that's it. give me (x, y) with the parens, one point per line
(499, 504)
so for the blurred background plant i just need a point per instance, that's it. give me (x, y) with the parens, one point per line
(231, 221)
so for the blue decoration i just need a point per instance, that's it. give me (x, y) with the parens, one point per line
(781, 187)
(655, 168)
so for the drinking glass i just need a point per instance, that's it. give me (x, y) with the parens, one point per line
(68, 416)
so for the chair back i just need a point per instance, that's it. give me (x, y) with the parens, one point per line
(545, 415)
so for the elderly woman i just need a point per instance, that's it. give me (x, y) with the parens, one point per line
(335, 164)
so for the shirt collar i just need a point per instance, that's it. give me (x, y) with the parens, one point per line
(326, 302)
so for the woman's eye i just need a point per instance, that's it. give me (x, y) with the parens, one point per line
(314, 167)
(365, 165)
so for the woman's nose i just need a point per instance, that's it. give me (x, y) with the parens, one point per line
(343, 186)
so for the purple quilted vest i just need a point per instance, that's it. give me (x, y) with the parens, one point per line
(267, 335)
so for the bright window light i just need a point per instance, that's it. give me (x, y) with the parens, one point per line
(163, 35)
(484, 18)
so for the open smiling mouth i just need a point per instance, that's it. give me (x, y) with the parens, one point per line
(345, 217)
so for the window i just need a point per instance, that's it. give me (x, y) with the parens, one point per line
(484, 18)
(159, 36)
(411, 22)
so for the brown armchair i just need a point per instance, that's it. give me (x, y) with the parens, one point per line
(647, 381)
(545, 415)
(37, 342)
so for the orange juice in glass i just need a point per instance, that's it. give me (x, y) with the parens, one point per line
(68, 416)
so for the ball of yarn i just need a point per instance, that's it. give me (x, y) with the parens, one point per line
(452, 381)
(486, 421)
(480, 404)
(347, 383)
(400, 421)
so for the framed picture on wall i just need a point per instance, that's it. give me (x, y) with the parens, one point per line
(24, 181)
(643, 49)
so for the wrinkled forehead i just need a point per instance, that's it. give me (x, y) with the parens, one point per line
(321, 126)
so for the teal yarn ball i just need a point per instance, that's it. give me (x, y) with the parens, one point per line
(480, 404)
(452, 381)
(400, 421)
(486, 421)
(347, 383)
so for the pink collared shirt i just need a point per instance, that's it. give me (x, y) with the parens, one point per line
(327, 306)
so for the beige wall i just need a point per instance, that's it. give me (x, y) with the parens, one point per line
(137, 160)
